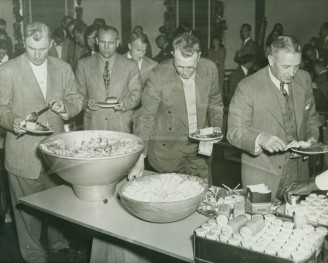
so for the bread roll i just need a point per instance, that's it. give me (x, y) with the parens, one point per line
(111, 100)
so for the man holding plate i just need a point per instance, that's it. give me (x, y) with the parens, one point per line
(181, 96)
(270, 109)
(28, 84)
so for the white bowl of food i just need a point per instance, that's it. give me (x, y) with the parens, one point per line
(163, 198)
(92, 161)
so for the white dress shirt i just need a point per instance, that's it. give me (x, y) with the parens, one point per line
(139, 62)
(59, 49)
(190, 96)
(41, 75)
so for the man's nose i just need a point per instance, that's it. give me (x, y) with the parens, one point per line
(37, 54)
(106, 45)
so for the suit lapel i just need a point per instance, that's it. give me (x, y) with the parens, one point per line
(271, 101)
(116, 76)
(299, 104)
(200, 84)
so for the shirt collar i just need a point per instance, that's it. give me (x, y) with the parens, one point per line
(244, 69)
(139, 62)
(322, 72)
(43, 65)
(4, 59)
(276, 81)
(246, 40)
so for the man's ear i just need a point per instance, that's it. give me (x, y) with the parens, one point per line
(97, 41)
(24, 44)
(117, 42)
(51, 43)
(199, 54)
(129, 46)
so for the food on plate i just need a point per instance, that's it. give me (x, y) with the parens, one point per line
(35, 126)
(99, 146)
(307, 146)
(111, 100)
(31, 125)
(166, 188)
(210, 132)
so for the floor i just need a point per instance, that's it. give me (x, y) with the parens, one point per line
(80, 244)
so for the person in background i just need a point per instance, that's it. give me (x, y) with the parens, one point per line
(248, 45)
(137, 49)
(309, 55)
(277, 29)
(319, 182)
(64, 23)
(3, 51)
(139, 29)
(163, 43)
(181, 96)
(321, 79)
(81, 47)
(90, 36)
(323, 44)
(21, 94)
(99, 21)
(68, 50)
(57, 47)
(217, 54)
(108, 74)
(10, 50)
(269, 109)
(246, 64)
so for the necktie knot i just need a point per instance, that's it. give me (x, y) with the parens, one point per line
(282, 89)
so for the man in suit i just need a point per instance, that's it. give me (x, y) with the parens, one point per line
(181, 96)
(248, 46)
(164, 44)
(10, 50)
(137, 49)
(29, 83)
(269, 109)
(246, 64)
(57, 47)
(323, 44)
(122, 81)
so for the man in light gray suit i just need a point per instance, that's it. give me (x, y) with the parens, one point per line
(269, 109)
(137, 49)
(29, 83)
(122, 81)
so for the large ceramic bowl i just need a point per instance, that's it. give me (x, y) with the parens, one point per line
(92, 178)
(162, 212)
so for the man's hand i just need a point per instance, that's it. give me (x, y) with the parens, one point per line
(271, 143)
(312, 140)
(299, 188)
(92, 105)
(18, 122)
(138, 169)
(58, 107)
(120, 106)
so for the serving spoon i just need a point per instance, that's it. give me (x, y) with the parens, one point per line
(33, 117)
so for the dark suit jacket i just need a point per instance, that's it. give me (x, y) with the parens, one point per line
(125, 84)
(249, 48)
(21, 95)
(255, 109)
(162, 120)
(235, 77)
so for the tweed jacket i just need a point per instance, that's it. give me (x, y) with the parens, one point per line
(21, 95)
(255, 109)
(235, 77)
(147, 65)
(125, 84)
(162, 120)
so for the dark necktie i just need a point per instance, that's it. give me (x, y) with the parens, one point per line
(106, 77)
(283, 91)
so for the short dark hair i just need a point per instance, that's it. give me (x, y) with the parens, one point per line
(3, 22)
(246, 58)
(80, 27)
(187, 43)
(248, 26)
(289, 44)
(91, 29)
(107, 28)
(137, 29)
(3, 44)
(58, 33)
(99, 21)
(138, 35)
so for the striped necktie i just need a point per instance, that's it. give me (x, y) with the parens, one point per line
(106, 77)
(283, 91)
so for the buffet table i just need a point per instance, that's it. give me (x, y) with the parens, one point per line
(112, 219)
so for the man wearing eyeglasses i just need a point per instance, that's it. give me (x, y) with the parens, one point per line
(181, 96)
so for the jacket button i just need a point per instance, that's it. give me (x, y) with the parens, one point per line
(106, 119)
(170, 129)
(169, 112)
(279, 166)
(164, 144)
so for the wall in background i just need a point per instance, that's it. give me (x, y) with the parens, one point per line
(6, 12)
(236, 13)
(150, 15)
(301, 18)
(109, 10)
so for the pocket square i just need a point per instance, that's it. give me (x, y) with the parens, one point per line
(307, 106)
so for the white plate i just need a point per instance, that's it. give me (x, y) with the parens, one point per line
(304, 151)
(212, 137)
(45, 131)
(106, 105)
